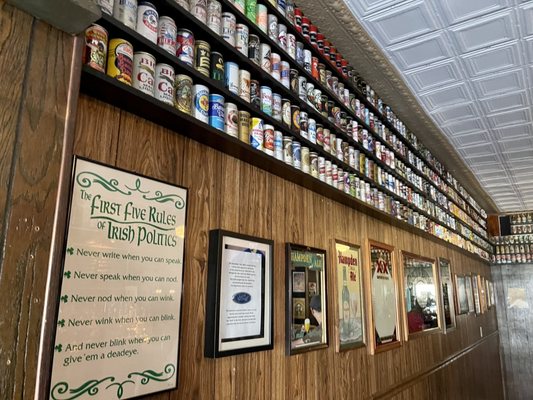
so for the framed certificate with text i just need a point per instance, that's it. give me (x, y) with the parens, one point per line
(239, 304)
(383, 309)
(447, 307)
(461, 295)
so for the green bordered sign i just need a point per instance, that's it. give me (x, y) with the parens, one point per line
(118, 322)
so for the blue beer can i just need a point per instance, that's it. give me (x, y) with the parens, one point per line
(216, 111)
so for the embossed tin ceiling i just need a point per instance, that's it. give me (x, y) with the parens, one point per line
(468, 63)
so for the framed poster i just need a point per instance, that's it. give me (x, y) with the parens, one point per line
(476, 295)
(350, 327)
(482, 293)
(307, 328)
(461, 294)
(447, 308)
(118, 323)
(298, 281)
(420, 299)
(239, 303)
(469, 293)
(383, 307)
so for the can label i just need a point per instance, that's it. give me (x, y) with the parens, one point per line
(291, 45)
(106, 6)
(125, 11)
(185, 46)
(147, 21)
(183, 92)
(265, 57)
(201, 103)
(302, 88)
(305, 160)
(144, 72)
(287, 149)
(268, 139)
(282, 36)
(272, 27)
(216, 111)
(256, 133)
(166, 35)
(95, 51)
(276, 107)
(322, 168)
(240, 5)
(241, 38)
(261, 19)
(244, 85)
(214, 11)
(311, 130)
(228, 27)
(286, 113)
(120, 60)
(164, 83)
(232, 120)
(217, 66)
(285, 74)
(231, 77)
(250, 10)
(278, 145)
(295, 111)
(275, 63)
(253, 49)
(198, 8)
(296, 155)
(266, 100)
(244, 126)
(313, 164)
(303, 124)
(203, 57)
(255, 93)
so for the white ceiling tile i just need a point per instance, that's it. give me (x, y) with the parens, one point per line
(524, 153)
(478, 160)
(505, 102)
(479, 149)
(522, 116)
(471, 125)
(519, 144)
(526, 16)
(471, 139)
(514, 131)
(394, 25)
(452, 94)
(366, 7)
(434, 76)
(504, 82)
(484, 32)
(520, 164)
(490, 175)
(423, 50)
(461, 10)
(493, 59)
(446, 115)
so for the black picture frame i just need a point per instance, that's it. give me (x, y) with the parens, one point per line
(224, 314)
(299, 332)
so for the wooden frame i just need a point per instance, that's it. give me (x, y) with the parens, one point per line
(419, 319)
(251, 258)
(395, 337)
(349, 295)
(311, 332)
(461, 297)
(469, 293)
(447, 290)
(476, 293)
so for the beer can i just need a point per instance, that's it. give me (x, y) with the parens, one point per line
(106, 6)
(266, 100)
(273, 27)
(231, 77)
(250, 9)
(287, 149)
(334, 174)
(278, 145)
(327, 140)
(231, 119)
(244, 126)
(125, 11)
(308, 58)
(167, 34)
(282, 36)
(217, 66)
(282, 5)
(268, 139)
(332, 143)
(144, 72)
(183, 93)
(241, 38)
(216, 111)
(291, 45)
(293, 80)
(264, 57)
(244, 85)
(318, 100)
(239, 5)
(320, 135)
(202, 57)
(311, 130)
(300, 53)
(214, 16)
(255, 93)
(351, 157)
(261, 19)
(164, 83)
(302, 88)
(338, 149)
(275, 63)
(285, 74)
(296, 154)
(198, 9)
(147, 21)
(184, 3)
(286, 112)
(120, 60)
(185, 46)
(327, 172)
(304, 119)
(347, 182)
(313, 164)
(314, 68)
(228, 27)
(321, 168)
(345, 152)
(256, 133)
(95, 52)
(289, 10)
(295, 118)
(305, 160)
(310, 94)
(200, 95)
(321, 73)
(253, 49)
(276, 106)
(340, 179)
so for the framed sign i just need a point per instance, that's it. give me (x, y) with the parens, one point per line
(447, 308)
(461, 295)
(350, 327)
(239, 304)
(306, 322)
(476, 294)
(383, 308)
(469, 293)
(420, 300)
(491, 294)
(118, 323)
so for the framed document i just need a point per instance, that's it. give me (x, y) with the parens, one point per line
(383, 308)
(461, 295)
(476, 294)
(447, 308)
(420, 299)
(469, 293)
(239, 306)
(306, 322)
(350, 327)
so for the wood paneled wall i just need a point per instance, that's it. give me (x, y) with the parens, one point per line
(229, 194)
